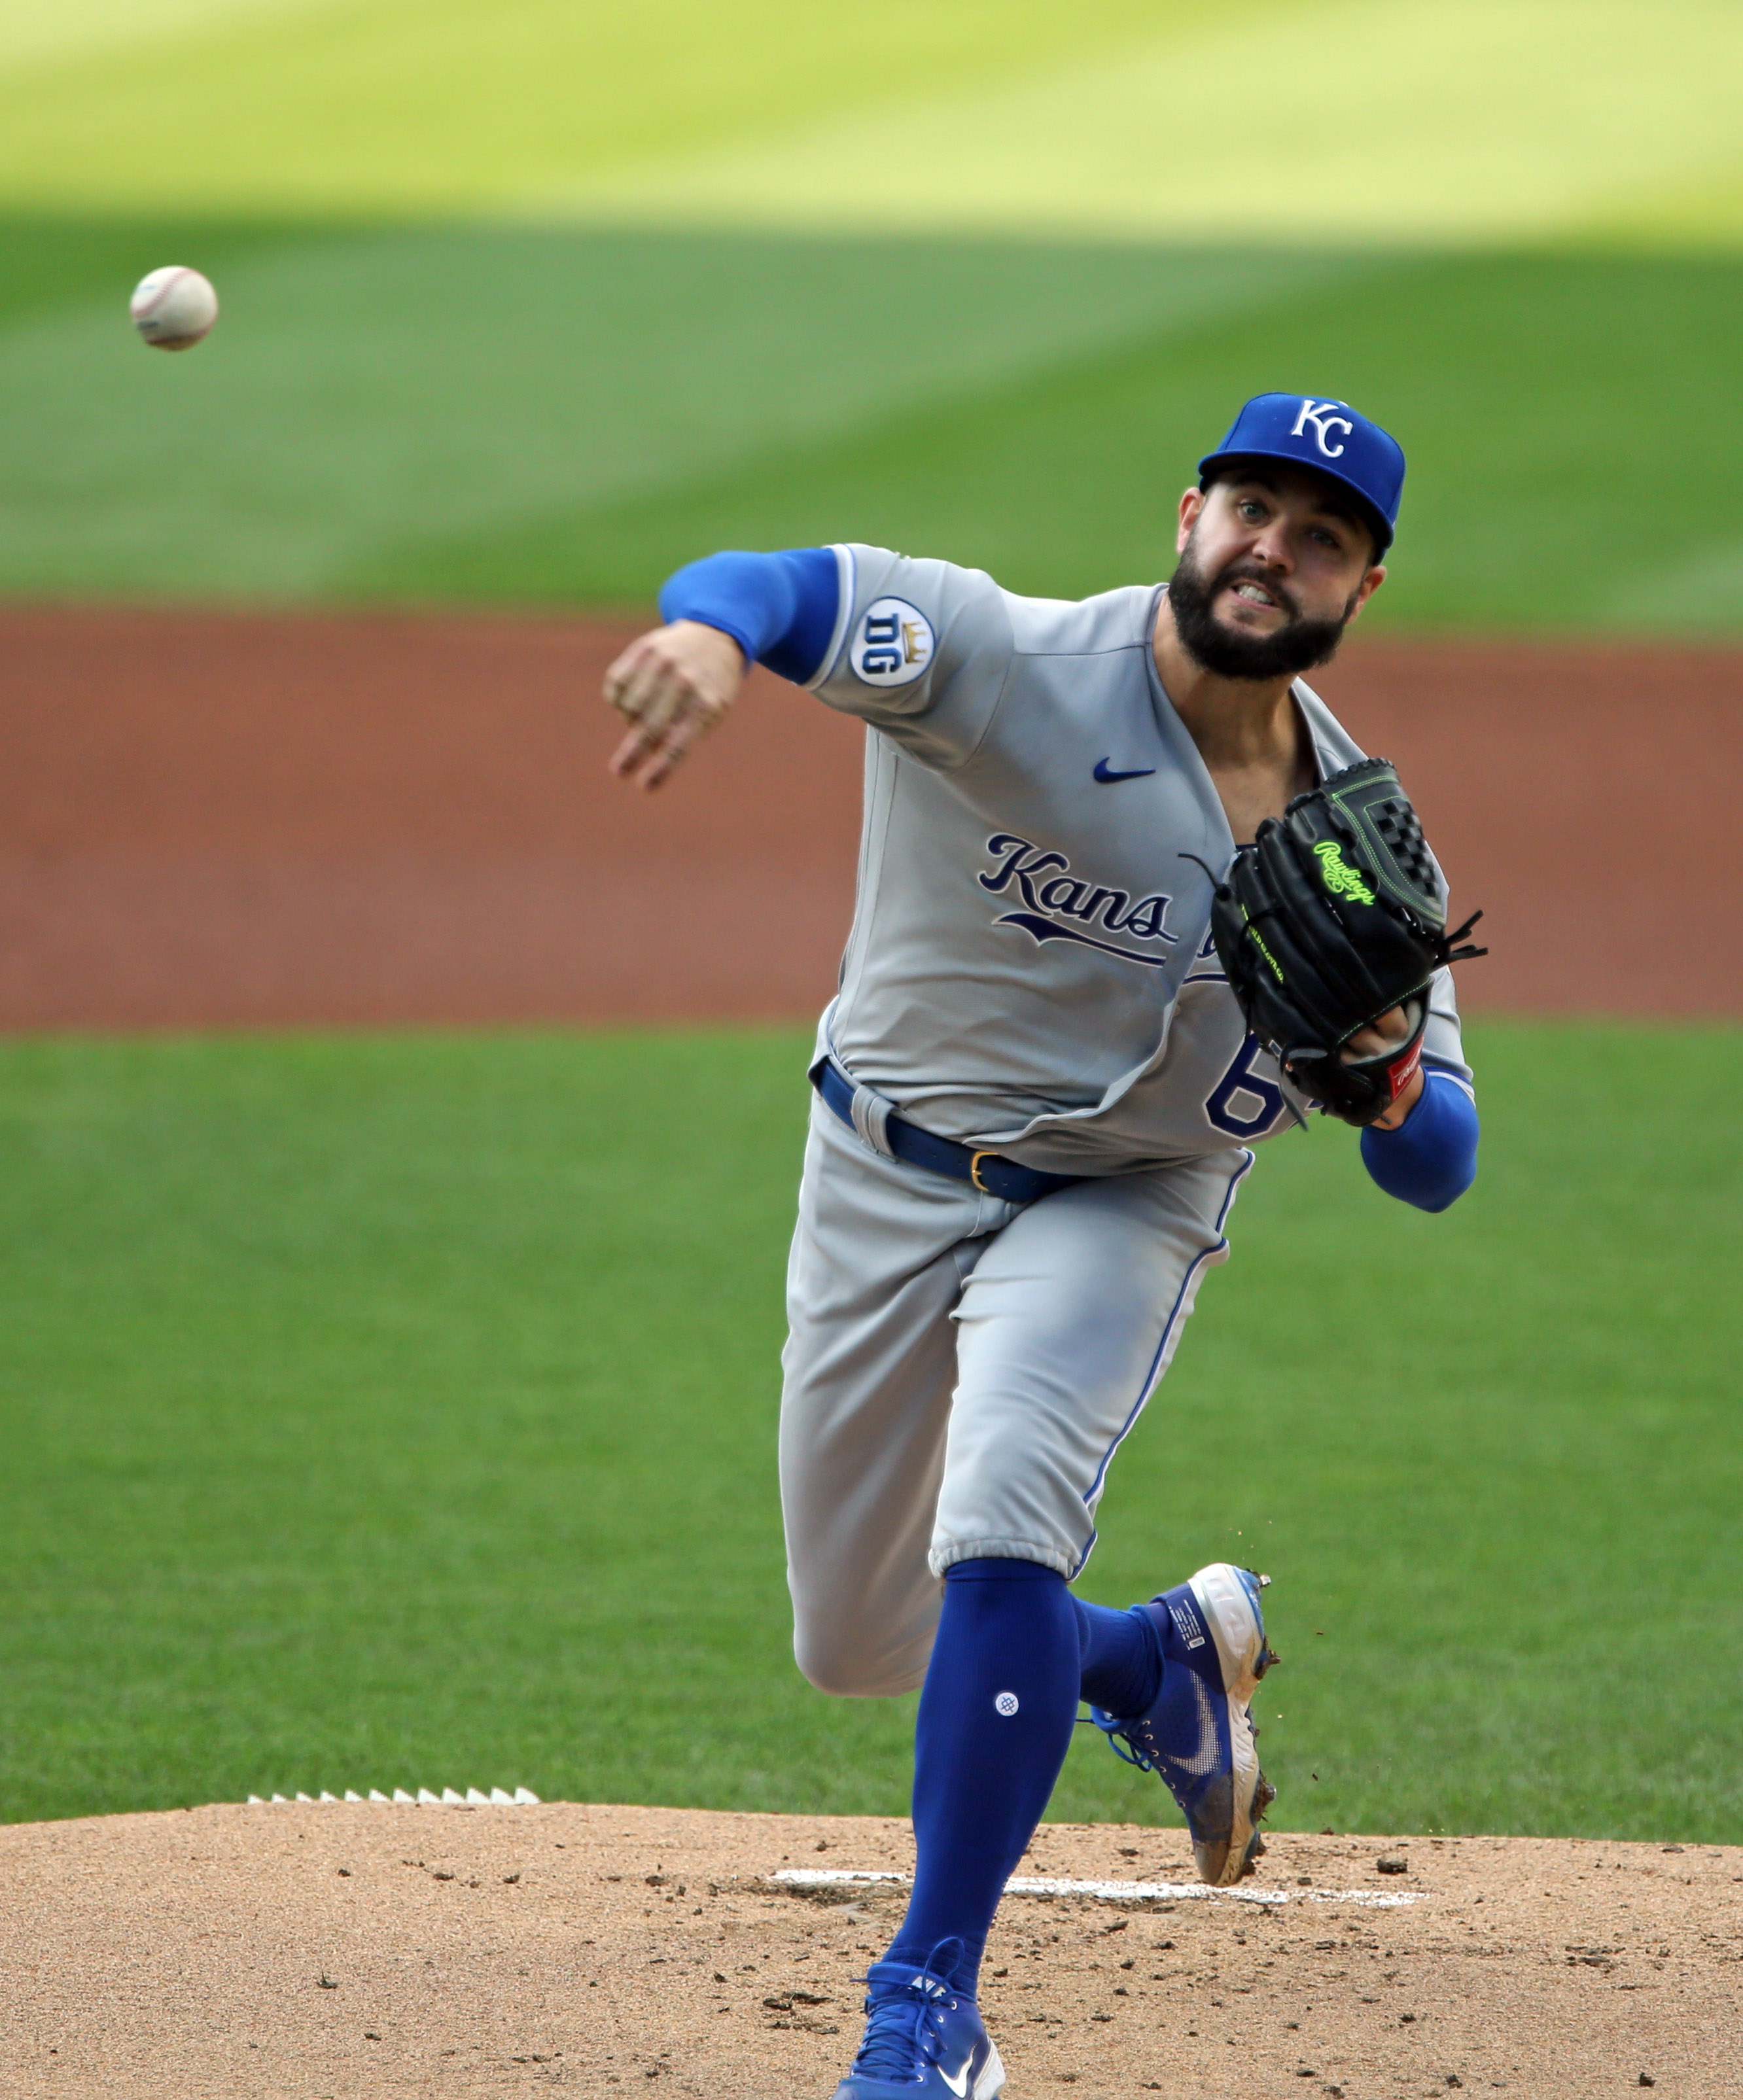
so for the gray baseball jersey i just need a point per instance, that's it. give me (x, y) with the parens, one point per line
(1030, 967)
(1029, 970)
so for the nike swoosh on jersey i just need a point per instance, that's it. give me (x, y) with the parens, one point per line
(1106, 775)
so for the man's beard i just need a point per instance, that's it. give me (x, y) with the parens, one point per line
(1297, 646)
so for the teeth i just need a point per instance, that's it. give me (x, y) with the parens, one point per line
(1253, 594)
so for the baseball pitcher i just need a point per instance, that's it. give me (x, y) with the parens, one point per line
(1130, 901)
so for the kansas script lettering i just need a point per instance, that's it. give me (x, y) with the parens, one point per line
(1044, 882)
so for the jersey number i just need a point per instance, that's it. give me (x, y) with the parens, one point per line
(1242, 1102)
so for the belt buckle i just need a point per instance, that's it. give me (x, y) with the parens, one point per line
(974, 1171)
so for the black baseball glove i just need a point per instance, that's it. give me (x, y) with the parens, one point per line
(1333, 916)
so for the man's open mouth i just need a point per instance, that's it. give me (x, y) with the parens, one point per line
(1250, 591)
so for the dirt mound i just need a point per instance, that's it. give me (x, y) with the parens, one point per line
(300, 1951)
(241, 819)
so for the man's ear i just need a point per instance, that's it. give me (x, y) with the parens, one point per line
(1192, 503)
(1370, 583)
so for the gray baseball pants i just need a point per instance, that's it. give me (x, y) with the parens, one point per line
(958, 1373)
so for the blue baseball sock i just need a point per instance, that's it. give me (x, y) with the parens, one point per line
(995, 1721)
(1121, 1658)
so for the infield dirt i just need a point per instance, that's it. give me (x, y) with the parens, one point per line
(265, 820)
(296, 1952)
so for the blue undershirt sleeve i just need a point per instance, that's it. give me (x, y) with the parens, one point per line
(780, 608)
(1430, 1159)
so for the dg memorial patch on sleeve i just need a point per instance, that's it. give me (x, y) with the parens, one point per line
(894, 644)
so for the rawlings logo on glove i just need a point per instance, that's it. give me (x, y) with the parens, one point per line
(1341, 879)
(1332, 917)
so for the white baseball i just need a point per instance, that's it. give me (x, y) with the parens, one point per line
(174, 308)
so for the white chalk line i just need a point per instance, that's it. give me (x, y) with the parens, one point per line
(1032, 1885)
(498, 1797)
(823, 1878)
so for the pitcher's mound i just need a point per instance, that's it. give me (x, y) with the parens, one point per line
(299, 1951)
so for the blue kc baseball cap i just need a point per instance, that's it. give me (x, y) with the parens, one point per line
(1329, 436)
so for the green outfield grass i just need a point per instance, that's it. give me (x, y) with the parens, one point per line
(1393, 119)
(400, 1410)
(1536, 501)
(527, 301)
(566, 433)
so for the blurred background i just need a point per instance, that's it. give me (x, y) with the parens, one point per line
(399, 1123)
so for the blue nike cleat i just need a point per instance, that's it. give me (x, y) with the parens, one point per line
(923, 2037)
(1198, 1735)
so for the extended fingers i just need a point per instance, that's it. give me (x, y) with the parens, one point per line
(646, 685)
(650, 750)
(618, 671)
(655, 696)
(637, 758)
(669, 685)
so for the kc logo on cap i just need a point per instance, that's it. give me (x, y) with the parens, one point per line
(1314, 413)
(1335, 439)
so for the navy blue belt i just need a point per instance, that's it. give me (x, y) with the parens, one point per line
(991, 1172)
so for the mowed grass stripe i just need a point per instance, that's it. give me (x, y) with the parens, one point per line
(382, 1409)
(1544, 401)
(30, 35)
(430, 107)
(1475, 122)
(1479, 120)
(410, 386)
(565, 433)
